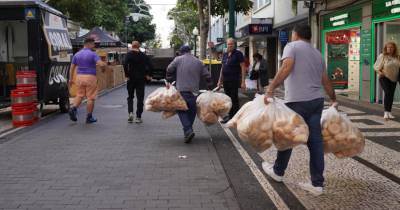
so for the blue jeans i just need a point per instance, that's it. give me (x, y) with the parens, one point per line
(187, 117)
(311, 112)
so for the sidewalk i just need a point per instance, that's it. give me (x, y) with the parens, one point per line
(112, 164)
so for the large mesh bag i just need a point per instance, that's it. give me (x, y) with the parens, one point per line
(340, 136)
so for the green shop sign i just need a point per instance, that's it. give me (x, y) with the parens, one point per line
(385, 8)
(337, 19)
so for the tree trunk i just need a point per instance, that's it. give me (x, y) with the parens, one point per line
(204, 23)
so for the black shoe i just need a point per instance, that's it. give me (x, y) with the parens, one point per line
(225, 120)
(189, 137)
(72, 114)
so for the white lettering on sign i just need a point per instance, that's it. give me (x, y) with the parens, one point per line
(59, 41)
(58, 74)
(339, 17)
(395, 10)
(339, 23)
(392, 3)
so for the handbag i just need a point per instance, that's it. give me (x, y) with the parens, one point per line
(254, 75)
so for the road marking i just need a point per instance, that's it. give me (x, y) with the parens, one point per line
(274, 196)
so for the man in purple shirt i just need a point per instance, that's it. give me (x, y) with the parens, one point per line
(85, 60)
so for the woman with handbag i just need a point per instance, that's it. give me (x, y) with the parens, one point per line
(387, 66)
(259, 71)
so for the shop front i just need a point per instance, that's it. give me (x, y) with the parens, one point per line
(340, 46)
(385, 28)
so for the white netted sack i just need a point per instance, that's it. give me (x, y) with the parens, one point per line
(341, 137)
(167, 114)
(289, 128)
(164, 99)
(211, 105)
(254, 123)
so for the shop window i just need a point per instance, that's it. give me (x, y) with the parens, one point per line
(258, 4)
(343, 59)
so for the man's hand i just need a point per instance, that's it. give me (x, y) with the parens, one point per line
(167, 85)
(335, 104)
(268, 96)
(219, 84)
(148, 78)
(71, 82)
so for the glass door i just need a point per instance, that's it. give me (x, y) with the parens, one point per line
(391, 31)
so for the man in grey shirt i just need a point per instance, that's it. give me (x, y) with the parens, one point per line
(187, 70)
(304, 75)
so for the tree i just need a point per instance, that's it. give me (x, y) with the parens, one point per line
(142, 30)
(183, 14)
(155, 43)
(218, 8)
(109, 14)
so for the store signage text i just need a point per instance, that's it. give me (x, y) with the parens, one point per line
(339, 19)
(59, 41)
(392, 3)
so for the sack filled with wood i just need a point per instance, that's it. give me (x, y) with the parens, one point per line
(211, 105)
(165, 99)
(254, 123)
(289, 128)
(340, 136)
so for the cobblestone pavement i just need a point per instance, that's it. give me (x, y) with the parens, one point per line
(112, 164)
(116, 165)
(368, 181)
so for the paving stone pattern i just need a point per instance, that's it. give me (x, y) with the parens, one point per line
(112, 164)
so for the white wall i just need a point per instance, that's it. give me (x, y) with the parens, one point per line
(265, 12)
(284, 12)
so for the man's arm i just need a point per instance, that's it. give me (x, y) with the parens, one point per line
(243, 68)
(221, 78)
(171, 70)
(126, 65)
(283, 73)
(72, 72)
(327, 84)
(207, 76)
(149, 68)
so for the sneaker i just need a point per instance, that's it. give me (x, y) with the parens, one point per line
(90, 120)
(391, 116)
(130, 118)
(138, 120)
(72, 114)
(316, 191)
(189, 137)
(269, 169)
(386, 116)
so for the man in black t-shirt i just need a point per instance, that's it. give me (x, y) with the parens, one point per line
(137, 69)
(232, 76)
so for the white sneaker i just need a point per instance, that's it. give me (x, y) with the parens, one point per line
(386, 116)
(269, 169)
(130, 118)
(391, 116)
(316, 191)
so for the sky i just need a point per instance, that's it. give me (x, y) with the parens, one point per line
(159, 10)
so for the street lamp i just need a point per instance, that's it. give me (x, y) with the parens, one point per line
(195, 32)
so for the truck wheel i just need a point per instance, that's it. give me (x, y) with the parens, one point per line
(64, 105)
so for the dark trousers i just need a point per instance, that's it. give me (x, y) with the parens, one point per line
(138, 87)
(187, 117)
(231, 89)
(388, 88)
(311, 112)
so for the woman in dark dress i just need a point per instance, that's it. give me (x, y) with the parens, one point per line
(260, 65)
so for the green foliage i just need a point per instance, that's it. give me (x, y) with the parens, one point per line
(154, 43)
(142, 30)
(109, 14)
(185, 16)
(90, 13)
(220, 7)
